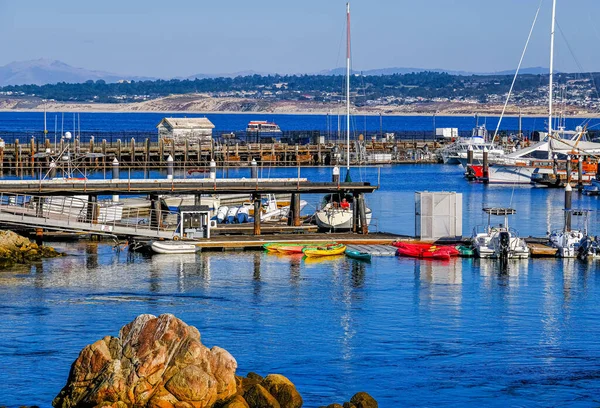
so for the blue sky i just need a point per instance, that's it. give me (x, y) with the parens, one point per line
(185, 37)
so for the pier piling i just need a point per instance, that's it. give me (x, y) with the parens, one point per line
(568, 203)
(257, 203)
(485, 166)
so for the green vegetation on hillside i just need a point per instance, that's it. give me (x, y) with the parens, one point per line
(390, 89)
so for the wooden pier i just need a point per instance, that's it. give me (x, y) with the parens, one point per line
(31, 154)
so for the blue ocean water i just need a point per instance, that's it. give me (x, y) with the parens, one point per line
(146, 122)
(409, 332)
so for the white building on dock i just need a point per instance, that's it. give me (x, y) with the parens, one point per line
(181, 129)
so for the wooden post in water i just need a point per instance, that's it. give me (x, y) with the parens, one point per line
(568, 203)
(39, 236)
(32, 155)
(296, 213)
(173, 149)
(91, 210)
(292, 211)
(568, 169)
(486, 175)
(186, 152)
(362, 212)
(17, 157)
(256, 198)
(147, 152)
(104, 152)
(355, 218)
(161, 150)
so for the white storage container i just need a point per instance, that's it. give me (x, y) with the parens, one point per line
(438, 215)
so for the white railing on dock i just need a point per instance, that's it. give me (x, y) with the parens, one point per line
(77, 213)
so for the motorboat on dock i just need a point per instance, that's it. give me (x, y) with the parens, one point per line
(568, 240)
(499, 242)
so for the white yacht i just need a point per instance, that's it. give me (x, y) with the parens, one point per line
(568, 241)
(457, 152)
(499, 242)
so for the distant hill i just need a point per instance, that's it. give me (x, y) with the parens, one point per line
(47, 71)
(228, 75)
(402, 70)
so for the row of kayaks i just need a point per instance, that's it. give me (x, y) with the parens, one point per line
(316, 250)
(431, 251)
(311, 249)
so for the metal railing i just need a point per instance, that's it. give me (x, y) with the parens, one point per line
(75, 212)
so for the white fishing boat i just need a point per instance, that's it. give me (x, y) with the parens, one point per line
(338, 213)
(499, 242)
(173, 247)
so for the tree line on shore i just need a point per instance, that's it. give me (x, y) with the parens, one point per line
(425, 85)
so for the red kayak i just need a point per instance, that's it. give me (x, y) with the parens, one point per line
(417, 250)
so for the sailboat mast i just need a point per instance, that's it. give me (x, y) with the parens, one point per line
(348, 87)
(551, 79)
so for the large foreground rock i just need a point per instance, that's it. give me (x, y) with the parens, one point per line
(155, 362)
(159, 362)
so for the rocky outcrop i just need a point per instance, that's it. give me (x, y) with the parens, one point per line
(15, 248)
(155, 362)
(358, 400)
(160, 362)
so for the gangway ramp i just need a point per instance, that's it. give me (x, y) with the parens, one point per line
(84, 216)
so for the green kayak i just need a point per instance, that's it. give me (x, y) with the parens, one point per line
(362, 256)
(465, 251)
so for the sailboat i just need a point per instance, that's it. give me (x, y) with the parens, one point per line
(338, 210)
(519, 167)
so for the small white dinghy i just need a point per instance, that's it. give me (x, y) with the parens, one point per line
(173, 247)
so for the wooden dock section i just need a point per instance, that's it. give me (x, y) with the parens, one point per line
(374, 249)
(244, 242)
(538, 250)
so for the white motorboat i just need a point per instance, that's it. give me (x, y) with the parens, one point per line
(499, 242)
(173, 247)
(573, 243)
(453, 153)
(567, 242)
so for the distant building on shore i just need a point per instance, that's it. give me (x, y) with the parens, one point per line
(181, 129)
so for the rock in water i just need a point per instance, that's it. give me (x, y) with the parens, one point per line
(155, 362)
(363, 400)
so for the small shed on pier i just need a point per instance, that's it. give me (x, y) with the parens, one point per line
(181, 129)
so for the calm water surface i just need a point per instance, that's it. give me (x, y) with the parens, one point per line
(410, 332)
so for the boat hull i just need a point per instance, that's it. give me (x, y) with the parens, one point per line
(161, 247)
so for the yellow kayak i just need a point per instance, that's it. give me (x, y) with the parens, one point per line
(324, 250)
